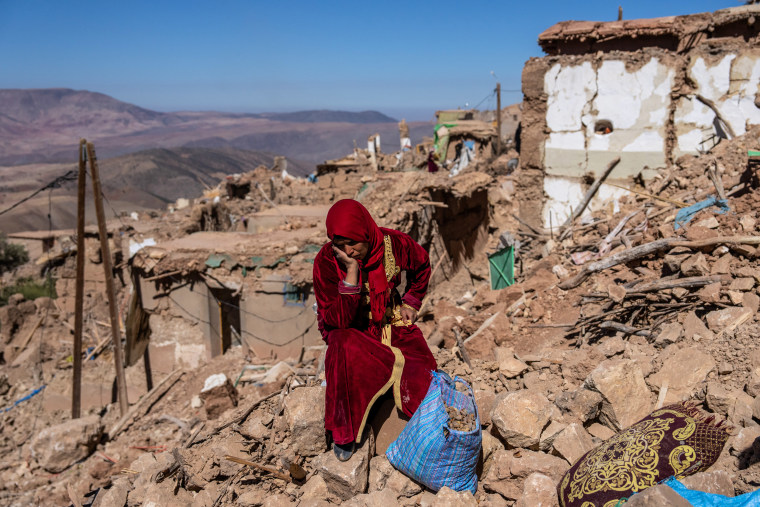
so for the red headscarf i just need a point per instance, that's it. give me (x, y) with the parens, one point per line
(349, 219)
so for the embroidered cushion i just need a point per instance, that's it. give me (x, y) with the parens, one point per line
(675, 441)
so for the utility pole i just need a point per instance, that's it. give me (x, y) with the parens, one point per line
(498, 119)
(121, 384)
(76, 397)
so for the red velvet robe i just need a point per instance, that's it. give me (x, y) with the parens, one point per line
(359, 367)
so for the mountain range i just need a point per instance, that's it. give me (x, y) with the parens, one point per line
(150, 158)
(45, 125)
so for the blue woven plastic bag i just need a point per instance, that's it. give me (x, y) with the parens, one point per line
(430, 452)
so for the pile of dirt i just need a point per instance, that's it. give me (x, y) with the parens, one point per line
(460, 419)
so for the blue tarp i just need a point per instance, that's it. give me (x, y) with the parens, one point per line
(685, 215)
(28, 396)
(702, 499)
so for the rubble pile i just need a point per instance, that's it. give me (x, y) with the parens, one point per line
(612, 316)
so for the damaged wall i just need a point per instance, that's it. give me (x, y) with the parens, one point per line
(582, 111)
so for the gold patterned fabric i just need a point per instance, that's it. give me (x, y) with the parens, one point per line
(677, 440)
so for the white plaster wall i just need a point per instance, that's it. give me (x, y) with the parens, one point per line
(569, 90)
(188, 340)
(564, 194)
(636, 102)
(732, 84)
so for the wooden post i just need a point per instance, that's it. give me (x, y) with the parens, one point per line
(148, 370)
(498, 119)
(121, 384)
(76, 391)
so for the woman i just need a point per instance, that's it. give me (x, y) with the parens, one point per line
(373, 344)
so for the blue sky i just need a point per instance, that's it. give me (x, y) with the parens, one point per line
(404, 58)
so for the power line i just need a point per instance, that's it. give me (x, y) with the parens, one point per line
(56, 183)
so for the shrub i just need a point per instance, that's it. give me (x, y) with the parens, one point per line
(11, 254)
(30, 288)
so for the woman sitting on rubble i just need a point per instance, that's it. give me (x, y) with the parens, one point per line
(373, 344)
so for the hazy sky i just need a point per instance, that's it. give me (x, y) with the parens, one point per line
(404, 58)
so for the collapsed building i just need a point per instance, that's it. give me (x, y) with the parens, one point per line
(650, 90)
(609, 318)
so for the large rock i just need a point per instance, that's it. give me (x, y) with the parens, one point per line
(538, 491)
(626, 398)
(741, 412)
(521, 416)
(305, 415)
(115, 496)
(549, 434)
(728, 318)
(509, 469)
(382, 476)
(695, 265)
(573, 442)
(744, 441)
(509, 365)
(489, 445)
(719, 398)
(382, 498)
(695, 329)
(344, 479)
(58, 447)
(447, 497)
(578, 363)
(683, 372)
(582, 404)
(657, 496)
(717, 482)
(160, 494)
(315, 490)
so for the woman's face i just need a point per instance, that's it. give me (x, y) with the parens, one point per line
(354, 249)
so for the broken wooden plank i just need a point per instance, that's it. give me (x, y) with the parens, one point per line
(688, 282)
(145, 403)
(263, 468)
(617, 326)
(589, 195)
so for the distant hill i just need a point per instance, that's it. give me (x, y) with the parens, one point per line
(142, 180)
(325, 115)
(44, 126)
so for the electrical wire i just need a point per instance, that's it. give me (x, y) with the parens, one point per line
(56, 183)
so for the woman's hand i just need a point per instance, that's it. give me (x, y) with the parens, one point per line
(408, 315)
(351, 265)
